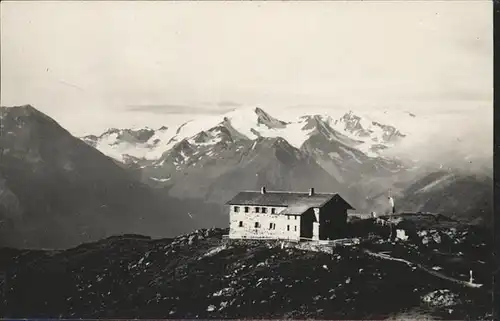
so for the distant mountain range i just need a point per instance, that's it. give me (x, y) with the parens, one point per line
(56, 190)
(127, 145)
(212, 158)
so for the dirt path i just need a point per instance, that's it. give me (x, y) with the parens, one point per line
(437, 274)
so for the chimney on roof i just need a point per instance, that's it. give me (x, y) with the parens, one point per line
(263, 190)
(311, 191)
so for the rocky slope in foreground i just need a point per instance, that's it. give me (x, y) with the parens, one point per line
(203, 275)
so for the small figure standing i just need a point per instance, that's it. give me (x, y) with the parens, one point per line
(471, 278)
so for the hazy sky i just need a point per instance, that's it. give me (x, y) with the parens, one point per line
(95, 64)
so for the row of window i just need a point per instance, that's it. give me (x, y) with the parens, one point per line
(256, 209)
(272, 226)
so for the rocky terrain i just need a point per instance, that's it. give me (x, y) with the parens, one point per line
(204, 275)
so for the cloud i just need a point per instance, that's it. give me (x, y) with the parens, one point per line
(228, 103)
(179, 109)
(163, 59)
(454, 94)
(457, 141)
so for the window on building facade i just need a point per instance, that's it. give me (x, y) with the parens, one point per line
(257, 225)
(240, 224)
(288, 217)
(236, 209)
(247, 209)
(288, 227)
(295, 216)
(295, 228)
(264, 210)
(257, 209)
(270, 226)
(273, 211)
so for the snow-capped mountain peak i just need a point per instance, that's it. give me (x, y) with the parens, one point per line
(267, 120)
(365, 127)
(354, 124)
(247, 124)
(320, 125)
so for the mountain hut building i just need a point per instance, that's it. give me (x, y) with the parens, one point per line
(287, 215)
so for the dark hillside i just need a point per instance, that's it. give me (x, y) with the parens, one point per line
(57, 192)
(202, 275)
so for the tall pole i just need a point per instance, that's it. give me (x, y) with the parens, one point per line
(391, 203)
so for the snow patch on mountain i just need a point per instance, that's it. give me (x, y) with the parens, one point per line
(109, 145)
(371, 134)
(254, 123)
(162, 180)
(446, 179)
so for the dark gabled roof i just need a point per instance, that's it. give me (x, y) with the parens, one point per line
(285, 199)
(295, 209)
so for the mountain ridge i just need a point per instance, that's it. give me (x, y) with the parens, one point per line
(58, 191)
(56, 188)
(351, 149)
(249, 123)
(340, 155)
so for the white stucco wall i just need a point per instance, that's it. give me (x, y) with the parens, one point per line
(249, 219)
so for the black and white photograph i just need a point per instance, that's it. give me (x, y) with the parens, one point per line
(272, 160)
